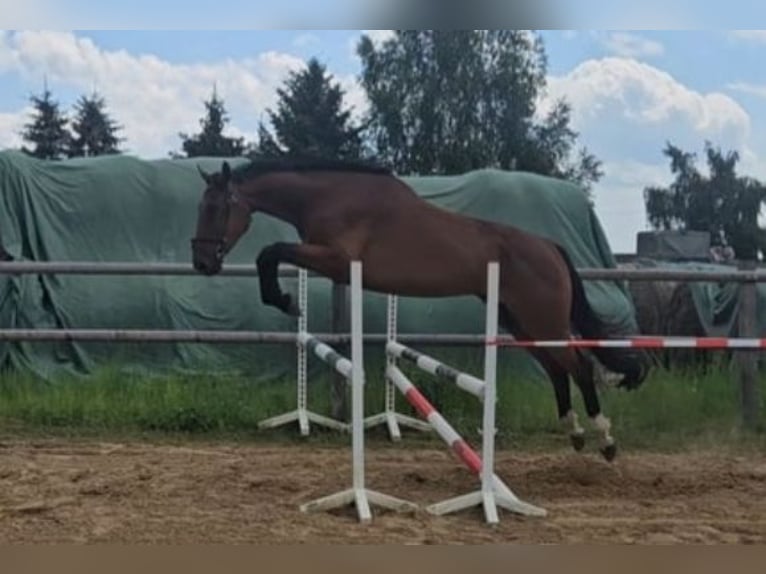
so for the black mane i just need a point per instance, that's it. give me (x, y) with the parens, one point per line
(262, 166)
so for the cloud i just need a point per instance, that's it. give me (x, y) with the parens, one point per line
(153, 98)
(11, 124)
(635, 94)
(619, 200)
(355, 97)
(632, 45)
(748, 88)
(623, 109)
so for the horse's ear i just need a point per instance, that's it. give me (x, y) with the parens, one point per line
(204, 175)
(226, 171)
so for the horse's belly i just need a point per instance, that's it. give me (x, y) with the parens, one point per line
(424, 279)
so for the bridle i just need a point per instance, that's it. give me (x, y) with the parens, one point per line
(220, 248)
(222, 243)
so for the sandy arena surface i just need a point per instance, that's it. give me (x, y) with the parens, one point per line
(93, 492)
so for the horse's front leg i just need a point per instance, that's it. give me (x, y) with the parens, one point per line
(318, 258)
(268, 277)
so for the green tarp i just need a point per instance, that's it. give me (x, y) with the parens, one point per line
(128, 210)
(716, 302)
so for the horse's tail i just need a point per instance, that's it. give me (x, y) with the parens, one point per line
(632, 363)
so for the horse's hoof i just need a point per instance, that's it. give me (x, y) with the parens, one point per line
(289, 307)
(293, 310)
(578, 441)
(609, 452)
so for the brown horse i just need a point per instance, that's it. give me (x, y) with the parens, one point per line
(349, 211)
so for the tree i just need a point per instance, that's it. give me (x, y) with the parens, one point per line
(724, 204)
(449, 101)
(211, 141)
(310, 118)
(94, 132)
(266, 145)
(47, 131)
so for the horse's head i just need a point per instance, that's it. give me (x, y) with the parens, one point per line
(221, 220)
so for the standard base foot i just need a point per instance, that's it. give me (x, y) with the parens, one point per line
(361, 498)
(393, 421)
(304, 417)
(498, 496)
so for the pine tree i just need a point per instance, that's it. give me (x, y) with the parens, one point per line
(211, 141)
(95, 133)
(47, 132)
(266, 147)
(310, 119)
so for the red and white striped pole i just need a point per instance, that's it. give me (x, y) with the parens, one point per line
(709, 343)
(494, 491)
(426, 410)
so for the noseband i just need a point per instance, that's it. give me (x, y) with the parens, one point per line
(220, 245)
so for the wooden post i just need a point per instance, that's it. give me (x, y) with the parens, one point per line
(340, 324)
(748, 360)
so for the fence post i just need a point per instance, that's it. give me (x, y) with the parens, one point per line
(748, 360)
(340, 324)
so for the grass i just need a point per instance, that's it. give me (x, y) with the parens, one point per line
(670, 411)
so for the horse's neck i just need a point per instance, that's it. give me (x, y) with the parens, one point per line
(284, 202)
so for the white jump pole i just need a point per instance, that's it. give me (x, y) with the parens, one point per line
(302, 414)
(357, 494)
(494, 492)
(390, 417)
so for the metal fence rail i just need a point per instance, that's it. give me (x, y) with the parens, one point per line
(224, 337)
(747, 274)
(249, 270)
(126, 268)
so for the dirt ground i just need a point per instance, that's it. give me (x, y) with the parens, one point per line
(55, 491)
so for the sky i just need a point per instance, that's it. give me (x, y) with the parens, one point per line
(631, 91)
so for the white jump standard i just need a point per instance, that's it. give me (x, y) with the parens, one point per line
(390, 416)
(354, 372)
(302, 414)
(494, 492)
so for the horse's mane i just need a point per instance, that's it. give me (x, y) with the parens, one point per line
(261, 166)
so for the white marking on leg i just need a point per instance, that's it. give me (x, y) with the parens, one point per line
(571, 420)
(603, 425)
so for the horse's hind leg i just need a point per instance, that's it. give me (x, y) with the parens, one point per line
(559, 378)
(584, 378)
(567, 416)
(574, 362)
